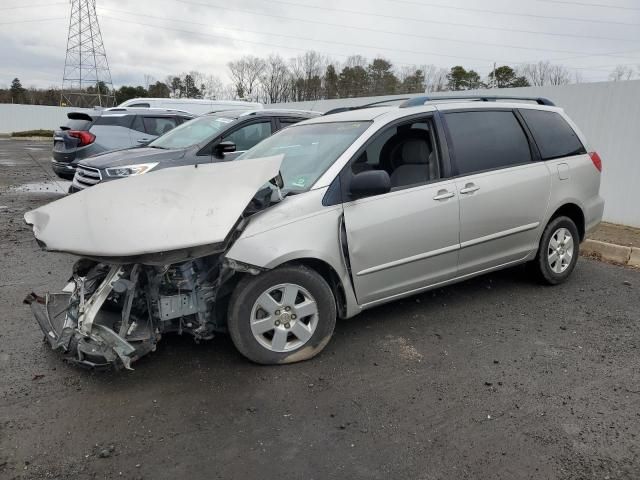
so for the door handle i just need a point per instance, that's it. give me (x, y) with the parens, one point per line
(469, 188)
(443, 195)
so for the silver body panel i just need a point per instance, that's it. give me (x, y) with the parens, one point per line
(380, 248)
(405, 242)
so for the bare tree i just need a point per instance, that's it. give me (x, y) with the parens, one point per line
(577, 77)
(536, 73)
(275, 80)
(212, 87)
(621, 73)
(307, 73)
(356, 61)
(545, 73)
(245, 74)
(148, 80)
(435, 78)
(559, 75)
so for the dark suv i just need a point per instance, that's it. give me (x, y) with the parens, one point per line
(218, 136)
(90, 133)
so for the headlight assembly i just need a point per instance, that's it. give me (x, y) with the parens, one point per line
(130, 170)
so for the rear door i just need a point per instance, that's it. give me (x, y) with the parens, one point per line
(504, 191)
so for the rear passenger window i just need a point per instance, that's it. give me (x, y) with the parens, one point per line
(485, 140)
(553, 135)
(114, 120)
(285, 122)
(158, 125)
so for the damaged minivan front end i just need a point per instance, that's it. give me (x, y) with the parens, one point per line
(152, 260)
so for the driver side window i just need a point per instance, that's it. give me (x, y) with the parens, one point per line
(250, 135)
(407, 152)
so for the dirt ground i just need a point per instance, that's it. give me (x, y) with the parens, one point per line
(494, 378)
(618, 234)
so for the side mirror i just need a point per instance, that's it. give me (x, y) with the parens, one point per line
(224, 147)
(369, 183)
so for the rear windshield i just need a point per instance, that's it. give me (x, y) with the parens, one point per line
(553, 135)
(115, 120)
(78, 124)
(309, 150)
(194, 132)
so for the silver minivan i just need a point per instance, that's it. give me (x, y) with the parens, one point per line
(321, 221)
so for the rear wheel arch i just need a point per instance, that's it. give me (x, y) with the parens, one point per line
(575, 213)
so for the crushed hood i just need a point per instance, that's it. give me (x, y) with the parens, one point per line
(164, 211)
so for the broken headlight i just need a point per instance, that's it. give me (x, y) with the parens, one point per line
(130, 170)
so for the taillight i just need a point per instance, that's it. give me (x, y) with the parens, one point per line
(85, 137)
(597, 161)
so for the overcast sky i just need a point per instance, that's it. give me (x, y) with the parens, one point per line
(159, 37)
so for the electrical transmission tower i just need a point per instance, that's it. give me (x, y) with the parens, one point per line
(87, 79)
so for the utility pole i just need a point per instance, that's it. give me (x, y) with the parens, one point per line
(87, 80)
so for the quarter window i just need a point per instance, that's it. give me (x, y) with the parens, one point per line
(485, 140)
(553, 135)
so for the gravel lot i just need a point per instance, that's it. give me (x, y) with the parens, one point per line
(492, 378)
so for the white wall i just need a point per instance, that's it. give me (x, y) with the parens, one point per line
(18, 118)
(609, 115)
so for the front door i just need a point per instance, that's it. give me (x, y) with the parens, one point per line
(406, 239)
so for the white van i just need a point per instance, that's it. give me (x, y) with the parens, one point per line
(197, 106)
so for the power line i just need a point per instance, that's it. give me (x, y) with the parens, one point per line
(289, 47)
(32, 20)
(599, 5)
(513, 14)
(36, 5)
(219, 7)
(481, 27)
(430, 37)
(295, 38)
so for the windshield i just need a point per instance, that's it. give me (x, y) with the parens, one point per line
(309, 150)
(193, 132)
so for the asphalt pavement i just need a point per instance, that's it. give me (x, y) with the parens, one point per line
(493, 378)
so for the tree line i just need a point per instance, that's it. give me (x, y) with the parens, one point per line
(313, 76)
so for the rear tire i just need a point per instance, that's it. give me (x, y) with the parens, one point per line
(282, 316)
(558, 251)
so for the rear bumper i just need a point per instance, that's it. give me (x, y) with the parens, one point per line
(63, 170)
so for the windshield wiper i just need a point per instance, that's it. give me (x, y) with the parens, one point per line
(155, 146)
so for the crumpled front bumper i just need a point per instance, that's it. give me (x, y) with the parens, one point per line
(102, 348)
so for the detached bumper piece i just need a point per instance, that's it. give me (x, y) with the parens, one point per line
(85, 333)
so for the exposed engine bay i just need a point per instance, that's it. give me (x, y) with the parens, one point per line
(111, 315)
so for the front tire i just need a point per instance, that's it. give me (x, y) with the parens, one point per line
(282, 316)
(558, 251)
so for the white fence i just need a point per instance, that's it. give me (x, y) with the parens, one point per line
(609, 115)
(19, 118)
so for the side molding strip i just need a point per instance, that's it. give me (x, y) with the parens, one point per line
(495, 236)
(412, 259)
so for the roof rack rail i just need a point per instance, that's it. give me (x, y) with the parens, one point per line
(417, 101)
(368, 105)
